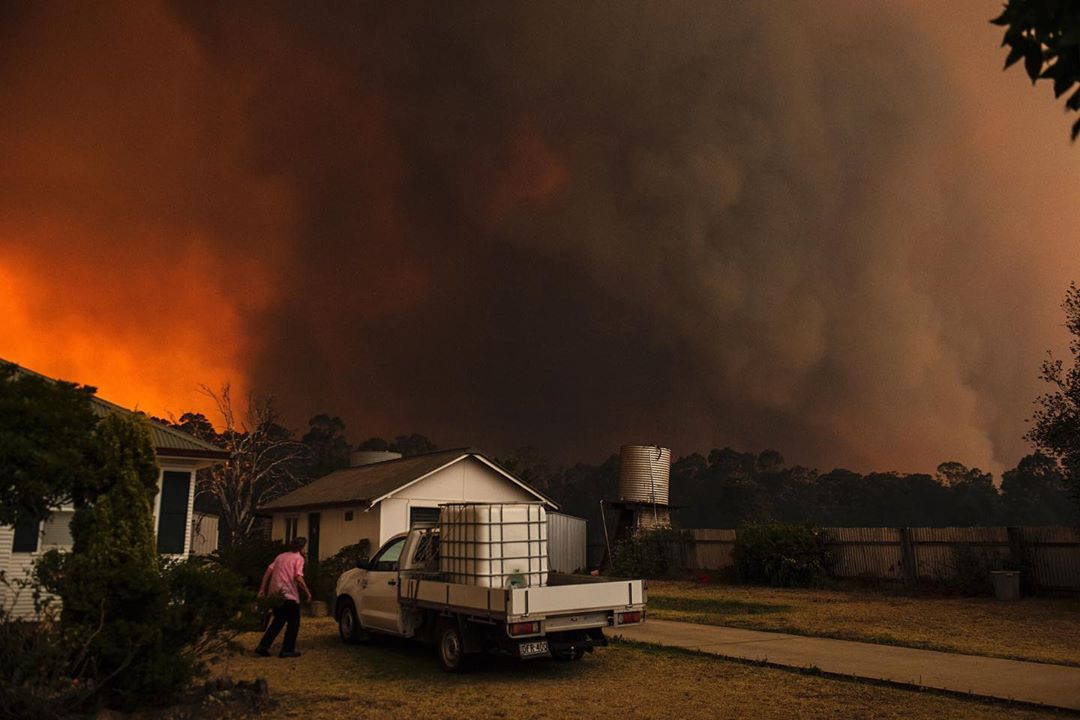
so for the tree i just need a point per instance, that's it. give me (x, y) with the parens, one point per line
(529, 464)
(407, 445)
(1034, 493)
(328, 450)
(973, 499)
(265, 460)
(1046, 34)
(1055, 425)
(46, 444)
(412, 444)
(137, 627)
(111, 589)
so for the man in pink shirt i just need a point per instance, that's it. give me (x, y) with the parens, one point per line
(284, 577)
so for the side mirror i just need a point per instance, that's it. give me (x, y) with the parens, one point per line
(362, 564)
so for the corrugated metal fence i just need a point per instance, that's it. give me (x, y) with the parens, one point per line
(1050, 556)
(566, 542)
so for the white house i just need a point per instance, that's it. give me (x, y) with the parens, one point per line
(178, 454)
(383, 494)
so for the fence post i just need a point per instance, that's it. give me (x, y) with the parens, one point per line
(908, 557)
(1018, 555)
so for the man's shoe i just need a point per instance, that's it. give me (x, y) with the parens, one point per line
(291, 653)
(263, 652)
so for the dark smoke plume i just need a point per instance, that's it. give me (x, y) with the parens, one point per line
(582, 224)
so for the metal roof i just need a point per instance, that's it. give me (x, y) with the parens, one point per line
(168, 441)
(367, 484)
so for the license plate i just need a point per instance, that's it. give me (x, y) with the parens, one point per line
(533, 649)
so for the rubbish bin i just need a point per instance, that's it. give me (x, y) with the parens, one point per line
(1006, 584)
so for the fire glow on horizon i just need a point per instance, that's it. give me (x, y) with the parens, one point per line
(838, 232)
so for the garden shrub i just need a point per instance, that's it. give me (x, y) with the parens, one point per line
(142, 627)
(781, 555)
(38, 678)
(650, 554)
(248, 558)
(330, 569)
(969, 572)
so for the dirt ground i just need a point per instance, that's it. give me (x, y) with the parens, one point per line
(392, 679)
(1039, 629)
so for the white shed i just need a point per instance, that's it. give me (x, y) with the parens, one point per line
(178, 455)
(376, 500)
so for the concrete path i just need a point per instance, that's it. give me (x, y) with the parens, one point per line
(1051, 685)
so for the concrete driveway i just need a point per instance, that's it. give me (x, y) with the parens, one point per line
(1043, 684)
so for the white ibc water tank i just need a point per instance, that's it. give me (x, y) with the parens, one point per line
(644, 474)
(494, 544)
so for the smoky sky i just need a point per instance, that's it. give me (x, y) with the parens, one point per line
(571, 225)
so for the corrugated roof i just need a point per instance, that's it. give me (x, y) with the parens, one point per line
(367, 483)
(168, 441)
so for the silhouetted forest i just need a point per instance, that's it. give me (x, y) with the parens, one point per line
(726, 488)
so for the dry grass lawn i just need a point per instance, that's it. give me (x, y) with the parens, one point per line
(392, 679)
(1039, 629)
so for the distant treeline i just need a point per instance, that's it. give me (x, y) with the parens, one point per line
(727, 488)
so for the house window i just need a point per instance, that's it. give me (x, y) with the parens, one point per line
(173, 512)
(26, 536)
(57, 531)
(423, 516)
(348, 516)
(292, 525)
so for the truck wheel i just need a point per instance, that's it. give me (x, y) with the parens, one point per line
(349, 624)
(451, 647)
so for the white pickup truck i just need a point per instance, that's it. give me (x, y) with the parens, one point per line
(400, 592)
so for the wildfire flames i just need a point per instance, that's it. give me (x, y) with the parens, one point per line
(834, 231)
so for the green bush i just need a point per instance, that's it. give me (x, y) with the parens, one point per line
(650, 554)
(330, 569)
(142, 628)
(38, 677)
(969, 573)
(248, 559)
(781, 555)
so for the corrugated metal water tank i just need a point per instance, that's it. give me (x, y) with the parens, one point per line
(566, 543)
(494, 544)
(644, 474)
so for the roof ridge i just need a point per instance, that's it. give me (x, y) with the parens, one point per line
(109, 406)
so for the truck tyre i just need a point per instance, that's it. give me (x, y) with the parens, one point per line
(349, 624)
(451, 648)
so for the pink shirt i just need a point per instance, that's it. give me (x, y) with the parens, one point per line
(284, 570)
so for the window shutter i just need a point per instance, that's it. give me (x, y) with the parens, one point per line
(173, 512)
(26, 536)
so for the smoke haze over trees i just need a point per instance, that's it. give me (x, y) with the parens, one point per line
(826, 227)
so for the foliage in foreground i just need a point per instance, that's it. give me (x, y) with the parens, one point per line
(133, 631)
(46, 441)
(1046, 35)
(781, 555)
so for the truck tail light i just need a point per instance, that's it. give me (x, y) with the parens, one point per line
(630, 617)
(524, 628)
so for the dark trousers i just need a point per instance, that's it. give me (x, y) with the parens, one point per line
(288, 613)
